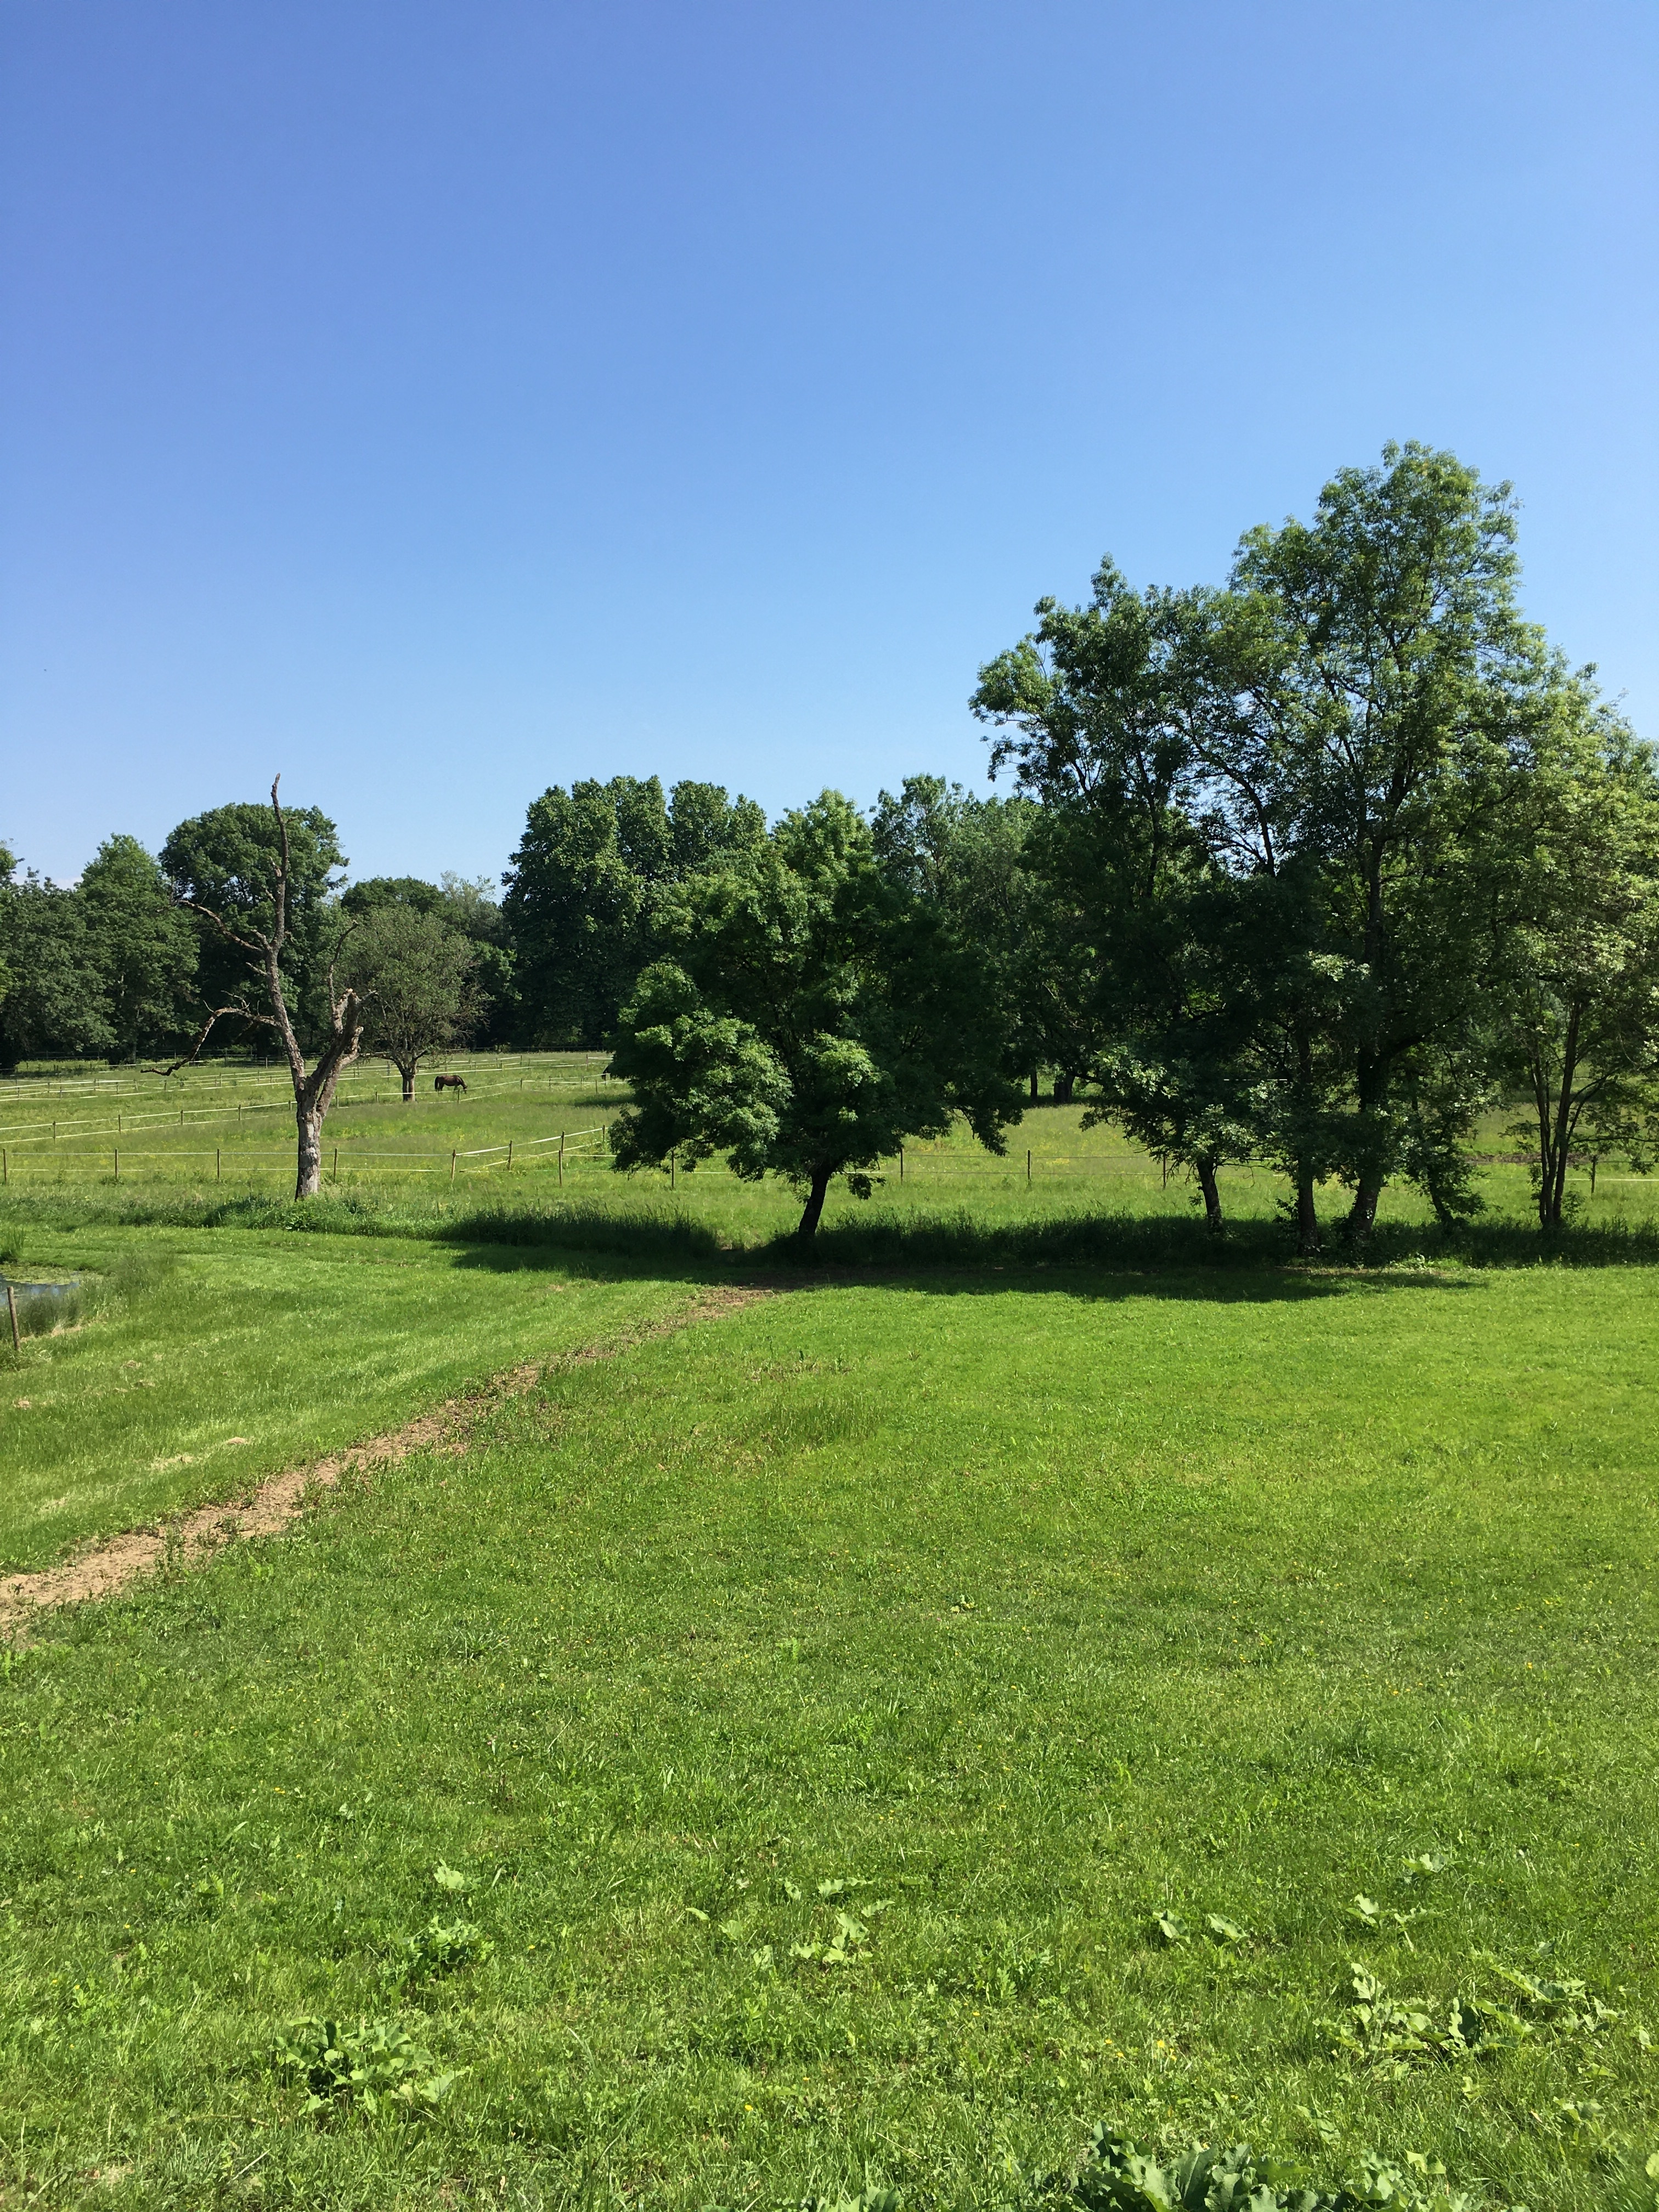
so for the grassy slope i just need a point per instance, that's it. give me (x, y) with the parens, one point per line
(1037, 1603)
(247, 1353)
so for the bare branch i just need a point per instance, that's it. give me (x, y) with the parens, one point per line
(281, 936)
(219, 1013)
(248, 944)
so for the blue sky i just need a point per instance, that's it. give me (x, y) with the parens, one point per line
(439, 401)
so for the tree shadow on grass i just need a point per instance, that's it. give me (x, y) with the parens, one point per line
(1143, 1254)
(1090, 1257)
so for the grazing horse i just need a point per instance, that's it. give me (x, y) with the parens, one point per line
(449, 1083)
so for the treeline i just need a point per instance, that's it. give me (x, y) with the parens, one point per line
(1312, 867)
(123, 965)
(1315, 866)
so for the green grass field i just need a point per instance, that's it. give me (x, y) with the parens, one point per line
(217, 1132)
(758, 1766)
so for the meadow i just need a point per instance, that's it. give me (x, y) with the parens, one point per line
(851, 1725)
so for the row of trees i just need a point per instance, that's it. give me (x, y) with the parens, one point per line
(124, 964)
(1310, 867)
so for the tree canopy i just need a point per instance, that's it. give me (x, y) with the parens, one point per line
(225, 861)
(1310, 866)
(415, 977)
(586, 884)
(1272, 829)
(810, 1015)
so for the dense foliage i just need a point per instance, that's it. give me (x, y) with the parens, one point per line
(1330, 852)
(810, 1014)
(586, 889)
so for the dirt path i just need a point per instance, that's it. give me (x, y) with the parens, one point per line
(105, 1569)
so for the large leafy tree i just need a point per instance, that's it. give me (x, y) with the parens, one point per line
(466, 906)
(1575, 973)
(810, 1015)
(1130, 953)
(1369, 678)
(584, 887)
(53, 1004)
(415, 976)
(1273, 808)
(223, 866)
(144, 949)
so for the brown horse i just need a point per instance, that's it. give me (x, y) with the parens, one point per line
(449, 1083)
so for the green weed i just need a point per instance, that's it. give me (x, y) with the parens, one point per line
(376, 2066)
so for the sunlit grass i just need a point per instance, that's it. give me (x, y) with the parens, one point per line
(819, 1707)
(224, 1358)
(999, 1614)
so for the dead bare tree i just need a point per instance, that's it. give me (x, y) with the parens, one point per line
(314, 1090)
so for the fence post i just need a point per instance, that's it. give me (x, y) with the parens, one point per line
(336, 1163)
(11, 1307)
(118, 1163)
(901, 1163)
(1028, 1167)
(509, 1152)
(562, 1158)
(673, 1156)
(451, 1167)
(218, 1165)
(5, 1166)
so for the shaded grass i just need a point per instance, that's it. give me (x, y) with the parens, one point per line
(651, 1227)
(1034, 1611)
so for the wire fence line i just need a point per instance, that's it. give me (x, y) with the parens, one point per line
(259, 1075)
(36, 1132)
(556, 1152)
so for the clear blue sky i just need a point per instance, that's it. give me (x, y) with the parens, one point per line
(435, 400)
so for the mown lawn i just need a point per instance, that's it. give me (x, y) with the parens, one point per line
(810, 1715)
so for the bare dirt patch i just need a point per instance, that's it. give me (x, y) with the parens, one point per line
(105, 1569)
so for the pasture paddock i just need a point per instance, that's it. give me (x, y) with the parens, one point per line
(795, 1726)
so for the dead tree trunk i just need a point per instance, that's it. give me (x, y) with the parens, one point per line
(313, 1090)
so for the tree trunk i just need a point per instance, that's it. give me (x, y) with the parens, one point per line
(1556, 1128)
(1065, 1084)
(815, 1197)
(1034, 1086)
(406, 1069)
(1362, 1214)
(1205, 1171)
(309, 1179)
(1307, 1218)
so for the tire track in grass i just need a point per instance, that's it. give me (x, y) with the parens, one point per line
(105, 1569)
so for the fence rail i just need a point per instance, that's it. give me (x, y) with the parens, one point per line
(556, 1152)
(38, 1132)
(206, 1076)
